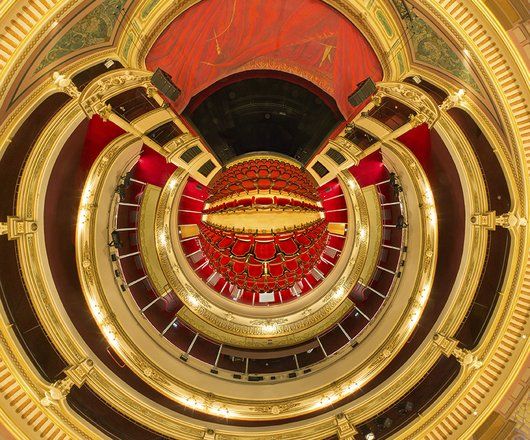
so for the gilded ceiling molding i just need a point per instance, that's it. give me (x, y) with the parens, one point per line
(24, 40)
(477, 394)
(412, 96)
(171, 386)
(94, 28)
(512, 98)
(18, 20)
(22, 390)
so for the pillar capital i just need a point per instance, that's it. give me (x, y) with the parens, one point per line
(65, 84)
(509, 220)
(417, 119)
(377, 99)
(103, 110)
(449, 347)
(345, 428)
(484, 220)
(490, 220)
(16, 227)
(75, 375)
(209, 434)
(453, 100)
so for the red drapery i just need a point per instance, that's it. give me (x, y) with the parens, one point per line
(217, 38)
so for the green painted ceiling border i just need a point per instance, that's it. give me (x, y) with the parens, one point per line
(430, 48)
(93, 29)
(76, 53)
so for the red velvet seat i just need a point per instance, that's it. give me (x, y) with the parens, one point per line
(264, 183)
(302, 240)
(224, 260)
(255, 270)
(263, 201)
(264, 250)
(288, 246)
(238, 266)
(304, 257)
(248, 185)
(276, 269)
(242, 247)
(279, 185)
(225, 242)
(291, 264)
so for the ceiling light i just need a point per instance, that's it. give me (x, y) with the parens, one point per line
(370, 436)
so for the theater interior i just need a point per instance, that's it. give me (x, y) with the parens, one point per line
(264, 219)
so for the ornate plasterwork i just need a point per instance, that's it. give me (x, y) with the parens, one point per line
(412, 96)
(93, 98)
(510, 108)
(95, 28)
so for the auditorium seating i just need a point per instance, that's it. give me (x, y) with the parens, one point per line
(263, 175)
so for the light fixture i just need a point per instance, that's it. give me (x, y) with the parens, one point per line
(269, 327)
(370, 436)
(162, 239)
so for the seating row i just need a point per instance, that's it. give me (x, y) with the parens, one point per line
(262, 201)
(262, 174)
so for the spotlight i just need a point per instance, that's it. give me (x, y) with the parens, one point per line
(127, 180)
(416, 79)
(109, 63)
(116, 242)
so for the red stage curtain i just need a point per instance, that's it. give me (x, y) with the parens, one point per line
(218, 38)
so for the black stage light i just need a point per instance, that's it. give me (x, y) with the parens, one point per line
(362, 92)
(164, 83)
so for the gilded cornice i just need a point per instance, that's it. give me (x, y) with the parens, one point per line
(166, 383)
(503, 335)
(506, 77)
(412, 96)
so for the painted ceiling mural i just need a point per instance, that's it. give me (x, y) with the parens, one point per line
(307, 38)
(95, 28)
(430, 48)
